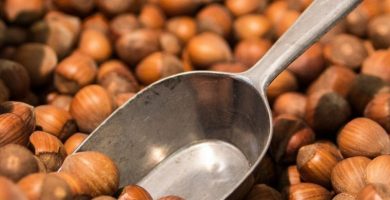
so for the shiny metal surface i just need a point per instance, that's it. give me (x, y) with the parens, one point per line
(201, 135)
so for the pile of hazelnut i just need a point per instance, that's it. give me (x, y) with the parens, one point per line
(66, 65)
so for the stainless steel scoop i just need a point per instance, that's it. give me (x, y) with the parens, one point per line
(201, 135)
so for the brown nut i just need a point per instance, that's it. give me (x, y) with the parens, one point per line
(316, 161)
(39, 60)
(9, 190)
(79, 189)
(94, 170)
(378, 109)
(289, 176)
(349, 175)
(243, 7)
(306, 191)
(74, 72)
(206, 49)
(122, 24)
(156, 66)
(97, 22)
(71, 22)
(45, 186)
(170, 43)
(363, 137)
(11, 71)
(151, 16)
(335, 78)
(293, 103)
(284, 82)
(251, 26)
(62, 101)
(171, 197)
(326, 111)
(346, 50)
(104, 197)
(357, 21)
(16, 162)
(95, 44)
(122, 98)
(134, 46)
(73, 142)
(275, 11)
(23, 12)
(376, 65)
(134, 192)
(344, 196)
(90, 106)
(249, 51)
(263, 192)
(377, 171)
(374, 191)
(75, 6)
(173, 7)
(228, 67)
(289, 134)
(55, 121)
(379, 31)
(115, 7)
(215, 18)
(183, 27)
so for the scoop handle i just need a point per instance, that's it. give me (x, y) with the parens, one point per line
(317, 19)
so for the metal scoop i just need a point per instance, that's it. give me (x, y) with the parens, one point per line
(201, 135)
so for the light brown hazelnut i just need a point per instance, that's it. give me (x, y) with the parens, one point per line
(74, 141)
(151, 16)
(249, 51)
(183, 27)
(378, 109)
(134, 192)
(251, 26)
(215, 18)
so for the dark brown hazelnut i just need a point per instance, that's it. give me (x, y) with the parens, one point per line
(289, 134)
(183, 7)
(377, 65)
(15, 35)
(4, 92)
(55, 121)
(16, 162)
(74, 72)
(326, 111)
(207, 49)
(156, 66)
(183, 27)
(284, 82)
(115, 7)
(23, 12)
(288, 18)
(243, 7)
(357, 21)
(306, 191)
(378, 109)
(45, 186)
(335, 78)
(379, 31)
(249, 51)
(151, 16)
(10, 190)
(228, 67)
(73, 142)
(309, 65)
(346, 50)
(290, 103)
(90, 106)
(134, 46)
(251, 26)
(95, 44)
(75, 6)
(374, 191)
(215, 18)
(122, 98)
(122, 24)
(97, 22)
(263, 192)
(134, 192)
(170, 43)
(39, 60)
(11, 71)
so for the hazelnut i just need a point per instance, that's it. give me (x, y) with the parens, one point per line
(289, 134)
(377, 65)
(94, 170)
(95, 44)
(61, 101)
(115, 76)
(346, 50)
(183, 27)
(122, 98)
(243, 7)
(15, 35)
(171, 197)
(97, 22)
(11, 71)
(285, 22)
(249, 51)
(16, 162)
(170, 43)
(263, 192)
(115, 7)
(156, 66)
(357, 21)
(363, 137)
(74, 72)
(122, 24)
(39, 60)
(22, 12)
(41, 165)
(105, 197)
(208, 48)
(364, 88)
(215, 18)
(151, 16)
(344, 196)
(45, 186)
(293, 103)
(4, 92)
(74, 141)
(284, 82)
(374, 191)
(75, 6)
(73, 23)
(309, 65)
(275, 11)
(228, 67)
(251, 26)
(379, 31)
(55, 121)
(349, 175)
(378, 109)
(316, 161)
(80, 190)
(289, 176)
(134, 46)
(378, 170)
(9, 190)
(306, 191)
(326, 111)
(90, 106)
(183, 7)
(134, 192)
(335, 78)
